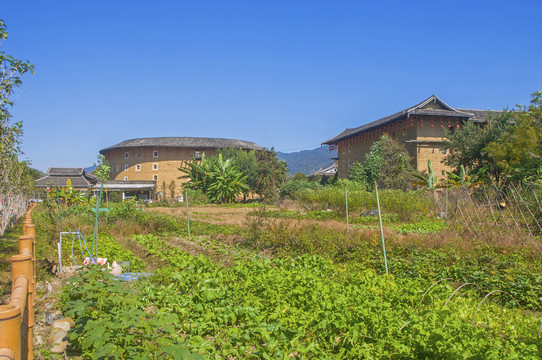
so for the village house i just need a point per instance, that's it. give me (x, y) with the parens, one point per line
(58, 177)
(80, 179)
(421, 128)
(158, 159)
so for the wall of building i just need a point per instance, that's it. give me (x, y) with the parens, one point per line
(430, 145)
(142, 164)
(422, 137)
(350, 153)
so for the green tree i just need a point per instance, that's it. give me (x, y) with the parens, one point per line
(10, 133)
(468, 145)
(272, 173)
(517, 153)
(103, 169)
(508, 144)
(388, 163)
(264, 172)
(15, 182)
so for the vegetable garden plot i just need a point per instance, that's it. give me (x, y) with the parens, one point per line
(303, 307)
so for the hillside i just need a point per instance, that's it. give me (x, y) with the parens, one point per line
(308, 161)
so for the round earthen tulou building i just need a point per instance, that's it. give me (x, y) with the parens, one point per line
(158, 159)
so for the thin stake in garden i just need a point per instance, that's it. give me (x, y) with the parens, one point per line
(346, 202)
(187, 216)
(381, 228)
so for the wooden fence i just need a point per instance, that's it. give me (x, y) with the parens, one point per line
(17, 318)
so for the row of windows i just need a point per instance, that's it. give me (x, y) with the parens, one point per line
(137, 167)
(155, 178)
(155, 154)
(127, 154)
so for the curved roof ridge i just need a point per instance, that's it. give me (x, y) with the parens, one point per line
(186, 141)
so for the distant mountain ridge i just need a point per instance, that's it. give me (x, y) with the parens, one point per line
(308, 161)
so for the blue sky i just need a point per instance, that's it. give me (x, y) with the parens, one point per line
(284, 74)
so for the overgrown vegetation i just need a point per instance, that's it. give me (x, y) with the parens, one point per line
(16, 180)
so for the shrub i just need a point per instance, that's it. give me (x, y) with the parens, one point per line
(291, 188)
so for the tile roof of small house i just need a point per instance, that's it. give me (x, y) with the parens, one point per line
(62, 171)
(58, 177)
(127, 185)
(188, 142)
(328, 171)
(418, 109)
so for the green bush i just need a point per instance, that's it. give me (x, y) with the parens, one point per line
(406, 204)
(291, 188)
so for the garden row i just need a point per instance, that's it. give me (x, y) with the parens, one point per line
(297, 307)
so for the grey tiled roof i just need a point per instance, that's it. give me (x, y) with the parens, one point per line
(117, 182)
(58, 177)
(330, 170)
(189, 142)
(65, 171)
(476, 115)
(479, 115)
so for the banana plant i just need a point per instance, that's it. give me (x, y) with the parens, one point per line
(463, 179)
(430, 182)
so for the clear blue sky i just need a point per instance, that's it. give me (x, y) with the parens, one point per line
(284, 74)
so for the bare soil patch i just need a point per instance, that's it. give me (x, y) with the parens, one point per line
(141, 252)
(211, 214)
(195, 249)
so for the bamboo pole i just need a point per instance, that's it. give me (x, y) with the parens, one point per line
(10, 336)
(21, 270)
(30, 230)
(17, 318)
(25, 248)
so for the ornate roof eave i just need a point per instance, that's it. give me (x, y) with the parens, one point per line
(414, 110)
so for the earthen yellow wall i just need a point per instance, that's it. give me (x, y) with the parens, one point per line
(422, 142)
(168, 162)
(357, 152)
(431, 147)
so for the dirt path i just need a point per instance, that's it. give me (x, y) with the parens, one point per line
(239, 217)
(216, 215)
